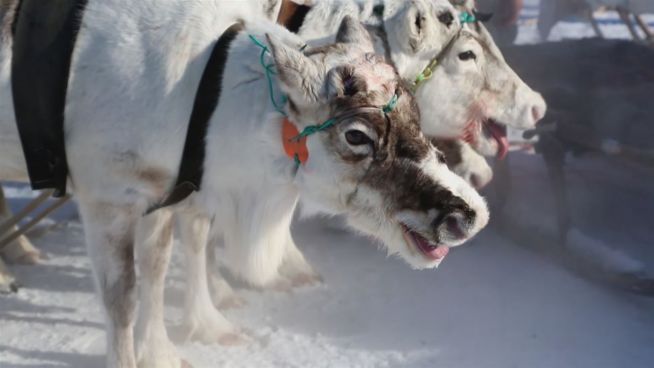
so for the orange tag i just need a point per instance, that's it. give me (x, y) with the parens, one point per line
(292, 145)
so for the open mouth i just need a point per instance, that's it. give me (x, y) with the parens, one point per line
(498, 133)
(491, 130)
(433, 252)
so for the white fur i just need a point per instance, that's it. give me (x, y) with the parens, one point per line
(473, 168)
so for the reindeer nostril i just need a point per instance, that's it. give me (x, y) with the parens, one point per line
(537, 113)
(453, 227)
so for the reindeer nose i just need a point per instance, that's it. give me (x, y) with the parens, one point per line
(446, 18)
(455, 225)
(537, 113)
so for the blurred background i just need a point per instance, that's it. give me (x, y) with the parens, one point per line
(563, 276)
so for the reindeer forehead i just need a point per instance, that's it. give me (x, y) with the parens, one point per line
(378, 75)
(467, 35)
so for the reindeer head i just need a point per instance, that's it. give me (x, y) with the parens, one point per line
(374, 166)
(472, 92)
(465, 161)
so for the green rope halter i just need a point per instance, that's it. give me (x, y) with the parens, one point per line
(311, 129)
(269, 69)
(466, 17)
(428, 72)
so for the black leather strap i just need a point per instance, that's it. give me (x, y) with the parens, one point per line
(294, 21)
(44, 38)
(207, 97)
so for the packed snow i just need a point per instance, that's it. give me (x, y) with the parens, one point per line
(492, 303)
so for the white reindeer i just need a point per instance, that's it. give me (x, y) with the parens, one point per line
(469, 89)
(124, 142)
(464, 161)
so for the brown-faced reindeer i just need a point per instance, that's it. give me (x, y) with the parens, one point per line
(476, 109)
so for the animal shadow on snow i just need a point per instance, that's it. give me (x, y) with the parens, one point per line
(53, 359)
(366, 300)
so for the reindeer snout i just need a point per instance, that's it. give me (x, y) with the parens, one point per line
(538, 112)
(454, 224)
(537, 109)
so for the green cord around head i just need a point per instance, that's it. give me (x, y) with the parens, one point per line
(390, 106)
(313, 129)
(269, 69)
(426, 74)
(466, 17)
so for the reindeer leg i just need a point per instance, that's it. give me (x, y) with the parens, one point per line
(222, 294)
(296, 268)
(154, 242)
(626, 19)
(201, 320)
(21, 250)
(109, 230)
(554, 156)
(256, 241)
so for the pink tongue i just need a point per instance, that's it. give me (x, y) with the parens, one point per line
(440, 252)
(433, 252)
(499, 134)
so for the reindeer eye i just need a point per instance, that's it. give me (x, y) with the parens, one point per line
(468, 55)
(446, 18)
(357, 138)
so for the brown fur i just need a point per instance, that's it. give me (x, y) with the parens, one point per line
(451, 149)
(286, 11)
(397, 156)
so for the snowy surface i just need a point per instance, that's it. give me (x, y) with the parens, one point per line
(492, 303)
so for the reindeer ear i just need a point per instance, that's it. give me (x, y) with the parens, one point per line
(351, 31)
(299, 76)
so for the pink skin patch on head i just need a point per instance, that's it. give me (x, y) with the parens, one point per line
(379, 76)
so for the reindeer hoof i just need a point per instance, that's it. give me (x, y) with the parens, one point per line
(29, 258)
(306, 279)
(233, 302)
(9, 287)
(282, 285)
(233, 339)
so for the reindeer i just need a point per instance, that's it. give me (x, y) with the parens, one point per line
(470, 88)
(367, 157)
(553, 11)
(21, 250)
(464, 161)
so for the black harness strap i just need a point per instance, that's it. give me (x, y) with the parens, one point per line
(44, 38)
(207, 97)
(294, 21)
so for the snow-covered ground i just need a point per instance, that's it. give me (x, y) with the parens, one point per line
(492, 303)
